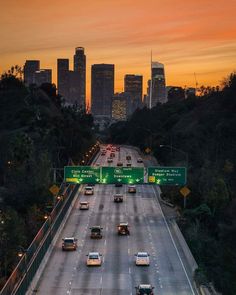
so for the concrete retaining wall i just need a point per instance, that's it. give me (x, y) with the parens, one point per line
(192, 263)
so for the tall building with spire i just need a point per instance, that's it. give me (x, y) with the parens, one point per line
(80, 69)
(158, 84)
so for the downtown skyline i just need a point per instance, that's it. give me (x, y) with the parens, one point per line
(187, 37)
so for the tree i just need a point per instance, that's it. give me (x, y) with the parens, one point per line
(218, 197)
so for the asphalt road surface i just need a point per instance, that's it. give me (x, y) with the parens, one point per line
(67, 273)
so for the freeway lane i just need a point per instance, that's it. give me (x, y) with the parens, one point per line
(67, 273)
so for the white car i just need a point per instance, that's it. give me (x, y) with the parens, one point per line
(131, 189)
(94, 259)
(142, 258)
(109, 160)
(84, 206)
(88, 190)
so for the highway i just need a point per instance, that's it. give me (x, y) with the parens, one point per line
(66, 272)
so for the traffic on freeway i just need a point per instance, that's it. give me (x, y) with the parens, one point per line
(116, 241)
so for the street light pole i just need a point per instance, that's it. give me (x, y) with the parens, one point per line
(180, 151)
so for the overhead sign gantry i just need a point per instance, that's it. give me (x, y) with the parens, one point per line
(125, 175)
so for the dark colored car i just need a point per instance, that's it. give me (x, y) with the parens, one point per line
(69, 244)
(123, 229)
(96, 232)
(132, 189)
(118, 198)
(118, 184)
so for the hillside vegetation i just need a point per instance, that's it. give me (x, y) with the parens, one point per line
(37, 133)
(204, 129)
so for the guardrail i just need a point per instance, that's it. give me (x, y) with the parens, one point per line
(20, 278)
(23, 274)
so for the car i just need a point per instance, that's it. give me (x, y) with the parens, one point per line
(97, 164)
(144, 289)
(109, 160)
(118, 184)
(96, 232)
(84, 206)
(132, 189)
(142, 258)
(69, 244)
(118, 198)
(128, 158)
(128, 164)
(112, 155)
(139, 160)
(123, 228)
(88, 190)
(119, 164)
(94, 259)
(103, 152)
(118, 148)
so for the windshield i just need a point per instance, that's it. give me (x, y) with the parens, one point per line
(69, 241)
(88, 188)
(142, 255)
(93, 256)
(95, 230)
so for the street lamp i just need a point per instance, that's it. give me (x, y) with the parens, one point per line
(22, 253)
(178, 150)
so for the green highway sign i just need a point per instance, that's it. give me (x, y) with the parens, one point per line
(167, 175)
(126, 175)
(82, 174)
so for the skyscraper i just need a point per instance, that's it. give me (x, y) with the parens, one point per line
(102, 89)
(158, 84)
(63, 77)
(30, 67)
(134, 87)
(43, 76)
(73, 86)
(80, 68)
(120, 106)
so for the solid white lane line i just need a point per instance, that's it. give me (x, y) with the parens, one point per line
(172, 239)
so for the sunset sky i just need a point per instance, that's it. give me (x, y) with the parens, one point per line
(186, 35)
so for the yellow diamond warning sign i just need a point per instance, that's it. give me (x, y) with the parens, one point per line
(54, 189)
(185, 191)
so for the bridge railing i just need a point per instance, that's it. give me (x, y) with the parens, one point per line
(25, 270)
